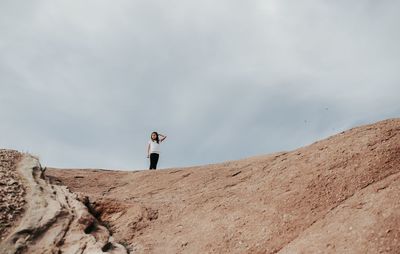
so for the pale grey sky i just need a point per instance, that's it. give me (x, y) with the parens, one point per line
(84, 83)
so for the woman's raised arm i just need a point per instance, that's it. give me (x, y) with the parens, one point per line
(163, 137)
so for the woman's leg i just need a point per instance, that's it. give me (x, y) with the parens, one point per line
(156, 155)
(153, 160)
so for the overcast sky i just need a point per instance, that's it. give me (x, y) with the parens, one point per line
(84, 83)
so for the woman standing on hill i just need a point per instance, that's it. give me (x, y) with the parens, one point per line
(153, 149)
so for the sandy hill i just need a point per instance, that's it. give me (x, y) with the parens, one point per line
(338, 195)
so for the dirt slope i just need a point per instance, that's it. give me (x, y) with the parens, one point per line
(338, 195)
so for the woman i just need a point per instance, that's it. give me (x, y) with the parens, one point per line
(153, 149)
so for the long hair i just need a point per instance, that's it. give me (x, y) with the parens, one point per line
(157, 138)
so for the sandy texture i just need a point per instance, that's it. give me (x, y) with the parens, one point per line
(338, 195)
(55, 221)
(12, 191)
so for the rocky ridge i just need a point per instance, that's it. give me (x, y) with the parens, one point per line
(55, 220)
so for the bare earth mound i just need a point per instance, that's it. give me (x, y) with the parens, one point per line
(338, 195)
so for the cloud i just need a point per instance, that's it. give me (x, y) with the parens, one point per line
(84, 83)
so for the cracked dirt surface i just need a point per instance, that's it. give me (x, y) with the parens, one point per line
(337, 195)
(12, 191)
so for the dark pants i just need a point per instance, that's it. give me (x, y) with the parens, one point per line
(153, 160)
